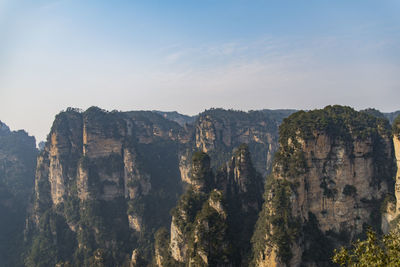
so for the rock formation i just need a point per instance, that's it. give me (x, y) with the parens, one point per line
(106, 182)
(103, 176)
(214, 220)
(391, 218)
(396, 143)
(217, 132)
(17, 170)
(331, 175)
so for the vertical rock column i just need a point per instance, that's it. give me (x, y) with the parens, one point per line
(396, 143)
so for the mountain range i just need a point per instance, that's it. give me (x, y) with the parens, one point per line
(222, 188)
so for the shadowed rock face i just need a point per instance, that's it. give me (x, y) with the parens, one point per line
(111, 178)
(103, 176)
(217, 132)
(212, 224)
(106, 181)
(17, 170)
(332, 172)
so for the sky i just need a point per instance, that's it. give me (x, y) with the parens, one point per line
(191, 55)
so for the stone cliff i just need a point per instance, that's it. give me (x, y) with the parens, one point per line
(103, 176)
(391, 217)
(17, 170)
(106, 181)
(332, 172)
(217, 132)
(214, 220)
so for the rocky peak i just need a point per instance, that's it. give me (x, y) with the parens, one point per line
(396, 143)
(332, 172)
(201, 175)
(221, 215)
(242, 170)
(103, 175)
(217, 132)
(17, 170)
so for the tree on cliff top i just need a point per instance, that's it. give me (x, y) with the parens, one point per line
(396, 126)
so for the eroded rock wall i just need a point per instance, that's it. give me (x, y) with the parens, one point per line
(332, 173)
(95, 176)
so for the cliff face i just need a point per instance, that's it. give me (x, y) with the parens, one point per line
(105, 181)
(17, 169)
(332, 172)
(213, 221)
(391, 217)
(217, 132)
(396, 142)
(100, 179)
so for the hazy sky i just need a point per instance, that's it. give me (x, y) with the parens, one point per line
(191, 55)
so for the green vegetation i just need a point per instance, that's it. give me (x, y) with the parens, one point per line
(244, 202)
(374, 112)
(339, 122)
(374, 251)
(227, 125)
(201, 170)
(292, 162)
(191, 202)
(349, 190)
(276, 221)
(285, 227)
(17, 169)
(325, 185)
(159, 160)
(187, 209)
(18, 162)
(54, 238)
(209, 238)
(389, 199)
(375, 217)
(161, 245)
(396, 126)
(222, 234)
(102, 227)
(318, 246)
(111, 124)
(278, 115)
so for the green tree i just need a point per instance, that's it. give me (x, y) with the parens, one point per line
(373, 251)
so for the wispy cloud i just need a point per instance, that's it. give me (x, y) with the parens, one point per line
(72, 61)
(282, 73)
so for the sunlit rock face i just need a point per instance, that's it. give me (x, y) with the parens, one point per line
(110, 179)
(333, 170)
(391, 217)
(103, 176)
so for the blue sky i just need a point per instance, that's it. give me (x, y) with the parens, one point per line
(193, 55)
